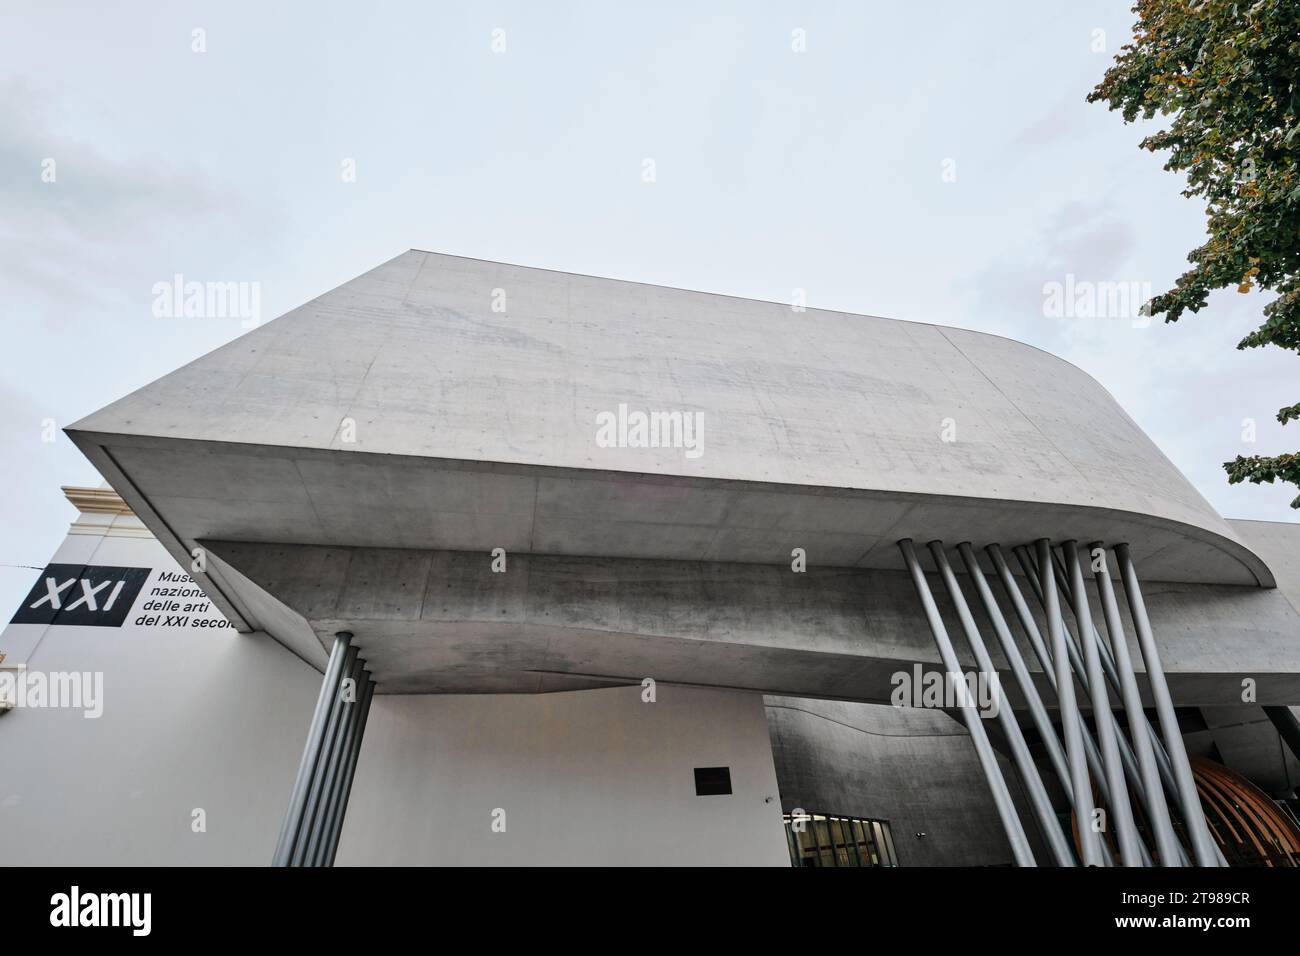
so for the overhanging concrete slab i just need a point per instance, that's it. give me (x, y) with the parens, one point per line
(445, 622)
(439, 404)
(476, 428)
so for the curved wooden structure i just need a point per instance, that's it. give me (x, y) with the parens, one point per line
(1249, 827)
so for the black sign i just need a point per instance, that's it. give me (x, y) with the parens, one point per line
(82, 595)
(712, 781)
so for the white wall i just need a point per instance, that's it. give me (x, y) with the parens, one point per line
(594, 777)
(192, 718)
(197, 717)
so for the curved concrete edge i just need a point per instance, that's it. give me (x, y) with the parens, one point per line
(1278, 543)
(846, 402)
(903, 514)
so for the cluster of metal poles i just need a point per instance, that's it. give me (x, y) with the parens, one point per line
(310, 833)
(1149, 765)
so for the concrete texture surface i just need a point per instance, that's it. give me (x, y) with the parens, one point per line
(476, 428)
(438, 405)
(1243, 738)
(1278, 543)
(914, 768)
(444, 622)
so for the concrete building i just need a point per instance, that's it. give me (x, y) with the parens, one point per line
(600, 572)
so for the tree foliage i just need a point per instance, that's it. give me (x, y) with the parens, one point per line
(1228, 77)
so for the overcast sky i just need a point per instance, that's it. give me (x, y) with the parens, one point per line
(926, 161)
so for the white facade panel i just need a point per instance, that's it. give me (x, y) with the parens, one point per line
(593, 777)
(195, 717)
(182, 719)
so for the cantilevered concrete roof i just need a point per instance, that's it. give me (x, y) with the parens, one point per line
(476, 428)
(445, 405)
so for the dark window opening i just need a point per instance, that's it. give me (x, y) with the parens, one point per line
(817, 839)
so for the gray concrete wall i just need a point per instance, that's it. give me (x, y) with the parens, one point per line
(915, 768)
(1278, 543)
(1244, 739)
(597, 777)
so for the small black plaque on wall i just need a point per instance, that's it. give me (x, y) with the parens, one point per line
(712, 781)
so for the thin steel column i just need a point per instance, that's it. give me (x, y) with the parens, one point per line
(349, 770)
(319, 850)
(1038, 798)
(1153, 793)
(318, 838)
(1126, 755)
(1042, 719)
(311, 818)
(1108, 667)
(1120, 809)
(1033, 571)
(1108, 664)
(311, 751)
(1092, 754)
(1020, 849)
(1202, 844)
(1067, 587)
(1163, 763)
(1045, 659)
(1072, 723)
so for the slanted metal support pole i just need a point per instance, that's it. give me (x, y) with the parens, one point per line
(319, 850)
(311, 818)
(1024, 760)
(1006, 808)
(311, 754)
(1030, 566)
(1066, 585)
(1042, 719)
(1153, 793)
(1112, 674)
(1120, 810)
(1033, 570)
(1203, 845)
(1093, 851)
(349, 771)
(1163, 762)
(1092, 754)
(349, 695)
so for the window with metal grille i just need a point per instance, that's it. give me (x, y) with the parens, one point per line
(819, 839)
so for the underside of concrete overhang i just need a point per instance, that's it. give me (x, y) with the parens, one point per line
(259, 493)
(447, 622)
